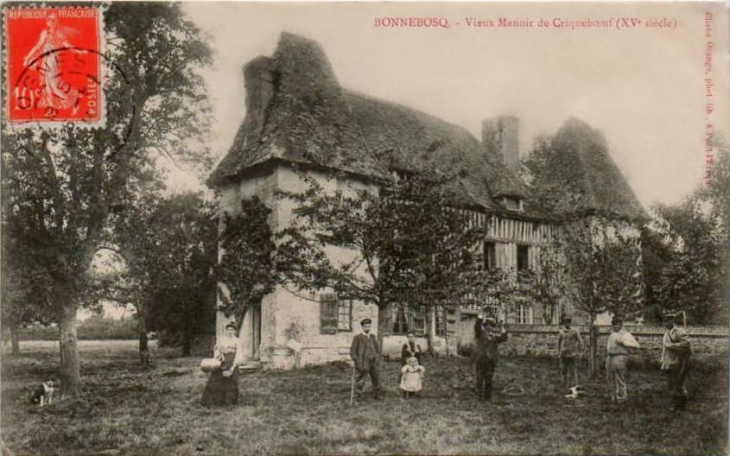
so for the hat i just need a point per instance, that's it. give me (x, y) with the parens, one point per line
(617, 319)
(566, 318)
(231, 325)
(365, 321)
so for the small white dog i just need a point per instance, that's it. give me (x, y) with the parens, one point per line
(43, 395)
(575, 392)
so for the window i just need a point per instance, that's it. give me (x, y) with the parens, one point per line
(400, 320)
(512, 204)
(419, 320)
(440, 321)
(523, 258)
(335, 315)
(344, 315)
(524, 314)
(490, 256)
(407, 319)
(493, 310)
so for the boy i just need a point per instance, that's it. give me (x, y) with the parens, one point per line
(570, 347)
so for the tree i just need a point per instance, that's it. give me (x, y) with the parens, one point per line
(25, 295)
(168, 247)
(601, 270)
(66, 185)
(598, 267)
(401, 240)
(687, 248)
(547, 283)
(182, 291)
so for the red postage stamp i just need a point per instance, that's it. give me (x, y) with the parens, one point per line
(54, 65)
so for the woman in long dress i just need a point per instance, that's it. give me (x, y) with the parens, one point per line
(222, 387)
(56, 93)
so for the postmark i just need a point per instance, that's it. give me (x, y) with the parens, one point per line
(54, 65)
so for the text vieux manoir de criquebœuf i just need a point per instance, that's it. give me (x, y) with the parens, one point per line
(619, 23)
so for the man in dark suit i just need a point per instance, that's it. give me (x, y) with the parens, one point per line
(366, 355)
(488, 337)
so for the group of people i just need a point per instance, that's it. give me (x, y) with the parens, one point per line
(365, 354)
(675, 358)
(222, 386)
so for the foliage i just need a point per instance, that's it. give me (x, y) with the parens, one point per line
(547, 284)
(247, 264)
(603, 266)
(175, 265)
(64, 186)
(99, 328)
(400, 241)
(26, 295)
(686, 248)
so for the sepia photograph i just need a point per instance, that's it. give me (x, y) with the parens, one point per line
(350, 228)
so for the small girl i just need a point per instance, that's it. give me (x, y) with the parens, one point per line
(411, 377)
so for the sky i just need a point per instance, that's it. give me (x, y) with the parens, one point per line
(643, 87)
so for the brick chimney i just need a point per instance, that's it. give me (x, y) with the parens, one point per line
(258, 80)
(500, 136)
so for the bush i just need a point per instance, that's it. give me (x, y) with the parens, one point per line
(98, 328)
(94, 328)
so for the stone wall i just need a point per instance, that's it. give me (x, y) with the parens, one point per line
(540, 340)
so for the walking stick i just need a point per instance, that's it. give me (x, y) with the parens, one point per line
(352, 386)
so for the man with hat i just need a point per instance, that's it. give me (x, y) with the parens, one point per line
(619, 346)
(366, 355)
(488, 337)
(676, 352)
(570, 347)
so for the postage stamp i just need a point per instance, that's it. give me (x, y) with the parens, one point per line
(54, 65)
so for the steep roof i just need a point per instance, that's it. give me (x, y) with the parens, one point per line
(579, 177)
(311, 119)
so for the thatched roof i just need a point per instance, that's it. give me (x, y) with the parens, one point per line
(311, 119)
(578, 177)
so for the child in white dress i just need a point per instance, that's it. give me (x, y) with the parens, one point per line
(412, 377)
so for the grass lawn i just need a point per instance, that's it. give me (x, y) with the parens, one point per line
(129, 411)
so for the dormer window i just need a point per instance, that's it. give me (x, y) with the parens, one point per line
(511, 203)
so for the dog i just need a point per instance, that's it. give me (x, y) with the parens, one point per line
(43, 395)
(575, 392)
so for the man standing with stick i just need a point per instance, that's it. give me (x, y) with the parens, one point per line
(366, 355)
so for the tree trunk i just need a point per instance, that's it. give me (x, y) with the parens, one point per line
(430, 329)
(14, 341)
(70, 370)
(187, 342)
(385, 324)
(188, 335)
(144, 350)
(592, 346)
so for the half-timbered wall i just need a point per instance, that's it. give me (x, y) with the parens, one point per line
(510, 236)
